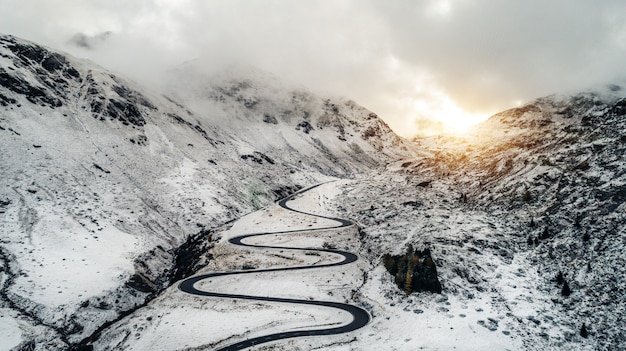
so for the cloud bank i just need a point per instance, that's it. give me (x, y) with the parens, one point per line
(409, 61)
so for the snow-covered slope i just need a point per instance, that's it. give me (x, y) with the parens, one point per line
(104, 183)
(427, 321)
(532, 192)
(110, 192)
(256, 105)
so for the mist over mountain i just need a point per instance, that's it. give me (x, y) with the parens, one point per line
(111, 193)
(103, 181)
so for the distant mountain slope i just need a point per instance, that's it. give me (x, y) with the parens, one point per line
(553, 173)
(104, 181)
(246, 101)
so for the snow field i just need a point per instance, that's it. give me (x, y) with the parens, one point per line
(69, 266)
(176, 319)
(184, 322)
(10, 331)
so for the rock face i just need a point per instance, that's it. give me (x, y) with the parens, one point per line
(553, 171)
(107, 187)
(532, 192)
(255, 105)
(105, 184)
(414, 271)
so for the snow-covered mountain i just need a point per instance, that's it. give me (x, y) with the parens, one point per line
(112, 192)
(108, 189)
(525, 215)
(524, 219)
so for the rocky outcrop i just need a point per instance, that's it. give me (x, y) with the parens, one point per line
(106, 181)
(553, 172)
(415, 271)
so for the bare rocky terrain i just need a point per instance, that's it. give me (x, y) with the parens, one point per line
(111, 193)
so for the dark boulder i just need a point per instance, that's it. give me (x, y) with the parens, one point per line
(414, 271)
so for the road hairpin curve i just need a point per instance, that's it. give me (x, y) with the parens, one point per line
(360, 317)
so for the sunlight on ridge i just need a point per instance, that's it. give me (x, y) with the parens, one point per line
(451, 118)
(461, 121)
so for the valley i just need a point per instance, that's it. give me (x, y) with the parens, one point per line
(139, 219)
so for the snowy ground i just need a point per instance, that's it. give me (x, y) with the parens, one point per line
(10, 331)
(493, 297)
(177, 320)
(103, 181)
(489, 298)
(89, 199)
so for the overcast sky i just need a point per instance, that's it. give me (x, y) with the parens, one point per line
(409, 61)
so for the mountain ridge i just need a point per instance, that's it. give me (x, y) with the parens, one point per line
(99, 173)
(553, 171)
(110, 192)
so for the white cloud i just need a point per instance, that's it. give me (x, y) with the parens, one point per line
(478, 55)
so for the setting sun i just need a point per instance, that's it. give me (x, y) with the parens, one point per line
(449, 118)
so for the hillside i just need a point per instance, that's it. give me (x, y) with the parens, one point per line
(110, 190)
(112, 193)
(525, 219)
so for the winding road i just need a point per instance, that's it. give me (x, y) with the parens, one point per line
(360, 317)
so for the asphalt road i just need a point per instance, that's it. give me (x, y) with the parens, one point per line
(360, 317)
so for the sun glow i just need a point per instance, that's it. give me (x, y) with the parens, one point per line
(438, 114)
(439, 8)
(423, 107)
(458, 121)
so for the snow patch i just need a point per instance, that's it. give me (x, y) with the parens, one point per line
(10, 331)
(69, 264)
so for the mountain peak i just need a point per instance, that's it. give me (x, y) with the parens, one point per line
(99, 171)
